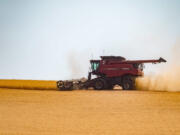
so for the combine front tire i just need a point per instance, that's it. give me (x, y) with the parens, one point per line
(99, 84)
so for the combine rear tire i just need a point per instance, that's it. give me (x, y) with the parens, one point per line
(128, 83)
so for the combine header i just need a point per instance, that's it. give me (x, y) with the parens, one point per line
(110, 71)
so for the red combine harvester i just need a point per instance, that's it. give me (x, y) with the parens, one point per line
(110, 71)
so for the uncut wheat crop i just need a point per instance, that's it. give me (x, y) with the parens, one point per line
(28, 84)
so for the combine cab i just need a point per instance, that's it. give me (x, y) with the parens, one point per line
(108, 72)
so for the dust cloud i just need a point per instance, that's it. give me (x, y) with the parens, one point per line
(78, 64)
(74, 65)
(168, 78)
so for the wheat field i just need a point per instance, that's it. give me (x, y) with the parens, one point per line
(89, 112)
(28, 84)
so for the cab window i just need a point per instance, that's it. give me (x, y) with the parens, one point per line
(94, 66)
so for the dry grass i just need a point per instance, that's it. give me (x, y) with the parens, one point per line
(28, 84)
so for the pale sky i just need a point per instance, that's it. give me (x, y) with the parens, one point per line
(55, 39)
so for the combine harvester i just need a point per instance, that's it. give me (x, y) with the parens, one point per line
(110, 71)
